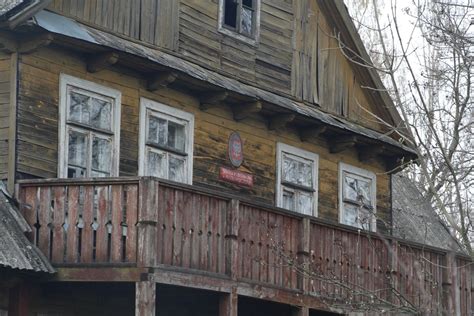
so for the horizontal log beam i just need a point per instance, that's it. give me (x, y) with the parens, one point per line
(102, 61)
(161, 80)
(10, 44)
(313, 132)
(243, 111)
(212, 99)
(341, 143)
(280, 120)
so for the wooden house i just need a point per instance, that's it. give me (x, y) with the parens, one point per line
(213, 157)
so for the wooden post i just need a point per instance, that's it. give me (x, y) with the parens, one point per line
(449, 283)
(145, 298)
(228, 303)
(147, 223)
(231, 240)
(19, 301)
(300, 311)
(303, 254)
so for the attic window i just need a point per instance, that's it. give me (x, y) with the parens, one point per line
(240, 19)
(357, 197)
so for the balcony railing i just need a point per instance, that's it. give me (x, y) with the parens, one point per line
(151, 223)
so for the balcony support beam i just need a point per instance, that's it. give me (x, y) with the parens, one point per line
(161, 80)
(212, 99)
(280, 120)
(228, 303)
(102, 61)
(243, 111)
(147, 230)
(145, 298)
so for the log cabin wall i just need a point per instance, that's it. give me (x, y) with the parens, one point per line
(4, 113)
(297, 53)
(39, 74)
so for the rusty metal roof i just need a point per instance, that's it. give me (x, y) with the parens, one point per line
(16, 251)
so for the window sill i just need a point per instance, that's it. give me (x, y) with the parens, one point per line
(248, 40)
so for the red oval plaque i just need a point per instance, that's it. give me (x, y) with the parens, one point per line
(236, 154)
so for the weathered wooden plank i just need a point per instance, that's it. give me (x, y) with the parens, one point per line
(58, 236)
(145, 298)
(72, 233)
(131, 222)
(87, 244)
(116, 222)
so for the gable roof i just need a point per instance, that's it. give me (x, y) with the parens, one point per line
(414, 218)
(16, 251)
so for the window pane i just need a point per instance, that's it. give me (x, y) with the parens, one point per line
(77, 153)
(101, 156)
(305, 202)
(156, 165)
(176, 169)
(100, 114)
(357, 190)
(288, 200)
(297, 172)
(247, 3)
(365, 218)
(246, 21)
(230, 13)
(79, 108)
(351, 215)
(157, 130)
(176, 136)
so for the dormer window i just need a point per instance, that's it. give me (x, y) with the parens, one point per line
(240, 19)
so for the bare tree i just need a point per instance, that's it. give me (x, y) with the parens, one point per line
(425, 54)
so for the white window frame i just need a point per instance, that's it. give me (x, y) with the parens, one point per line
(301, 153)
(361, 173)
(253, 40)
(66, 81)
(166, 112)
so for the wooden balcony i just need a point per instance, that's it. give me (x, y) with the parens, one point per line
(202, 238)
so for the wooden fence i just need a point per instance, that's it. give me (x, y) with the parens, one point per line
(148, 223)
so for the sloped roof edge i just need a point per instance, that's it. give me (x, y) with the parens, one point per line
(14, 12)
(67, 27)
(16, 251)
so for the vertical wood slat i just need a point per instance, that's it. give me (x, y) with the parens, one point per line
(87, 231)
(44, 216)
(72, 232)
(145, 298)
(102, 219)
(116, 221)
(58, 222)
(232, 240)
(131, 223)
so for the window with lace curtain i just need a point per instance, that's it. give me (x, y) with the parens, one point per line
(89, 135)
(297, 179)
(166, 142)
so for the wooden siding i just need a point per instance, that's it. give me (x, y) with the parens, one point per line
(143, 20)
(297, 54)
(38, 134)
(192, 230)
(4, 113)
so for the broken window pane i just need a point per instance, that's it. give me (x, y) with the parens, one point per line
(156, 164)
(101, 157)
(77, 151)
(79, 108)
(230, 13)
(288, 200)
(157, 131)
(351, 215)
(100, 114)
(177, 169)
(305, 202)
(297, 172)
(176, 136)
(357, 190)
(246, 21)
